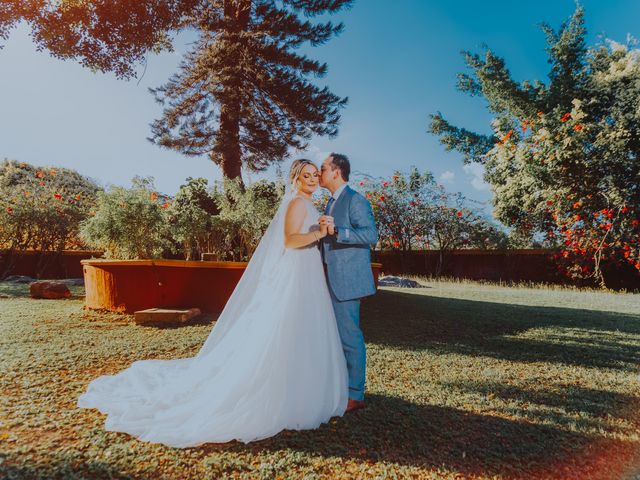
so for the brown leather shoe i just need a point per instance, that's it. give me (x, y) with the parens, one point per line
(354, 405)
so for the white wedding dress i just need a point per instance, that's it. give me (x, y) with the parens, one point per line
(272, 361)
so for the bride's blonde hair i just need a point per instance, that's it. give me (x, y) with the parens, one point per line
(296, 170)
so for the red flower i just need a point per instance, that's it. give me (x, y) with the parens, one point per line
(42, 184)
(385, 184)
(635, 223)
(624, 209)
(395, 178)
(58, 196)
(9, 210)
(361, 184)
(608, 226)
(577, 218)
(39, 174)
(540, 114)
(578, 127)
(549, 202)
(459, 214)
(381, 198)
(566, 117)
(396, 244)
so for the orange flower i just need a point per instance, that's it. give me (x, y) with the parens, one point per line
(165, 205)
(53, 172)
(154, 196)
(566, 117)
(507, 136)
(77, 197)
(540, 114)
(40, 174)
(42, 184)
(578, 127)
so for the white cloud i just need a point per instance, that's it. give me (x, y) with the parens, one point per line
(476, 171)
(312, 153)
(447, 177)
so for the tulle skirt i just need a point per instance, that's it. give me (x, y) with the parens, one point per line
(277, 364)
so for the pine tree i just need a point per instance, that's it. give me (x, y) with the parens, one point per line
(242, 96)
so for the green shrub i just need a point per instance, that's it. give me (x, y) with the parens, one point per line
(129, 223)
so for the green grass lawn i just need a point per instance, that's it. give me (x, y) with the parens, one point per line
(464, 381)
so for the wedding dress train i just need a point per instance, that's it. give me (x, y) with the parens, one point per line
(272, 361)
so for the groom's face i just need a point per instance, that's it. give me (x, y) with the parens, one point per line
(328, 174)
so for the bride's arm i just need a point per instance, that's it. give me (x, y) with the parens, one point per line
(293, 221)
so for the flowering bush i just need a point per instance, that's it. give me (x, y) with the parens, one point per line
(563, 159)
(412, 212)
(41, 209)
(129, 223)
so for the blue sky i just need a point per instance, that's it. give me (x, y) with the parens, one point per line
(396, 64)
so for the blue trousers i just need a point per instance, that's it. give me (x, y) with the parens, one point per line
(348, 319)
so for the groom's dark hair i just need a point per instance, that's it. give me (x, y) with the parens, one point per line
(341, 162)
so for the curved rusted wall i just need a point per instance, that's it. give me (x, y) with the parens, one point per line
(130, 285)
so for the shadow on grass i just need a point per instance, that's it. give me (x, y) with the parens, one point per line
(395, 430)
(585, 338)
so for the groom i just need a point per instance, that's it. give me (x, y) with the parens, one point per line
(346, 253)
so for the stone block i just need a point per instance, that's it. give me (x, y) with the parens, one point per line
(165, 315)
(49, 289)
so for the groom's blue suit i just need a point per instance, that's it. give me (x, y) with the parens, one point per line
(349, 276)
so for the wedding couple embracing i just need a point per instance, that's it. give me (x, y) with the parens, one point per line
(286, 352)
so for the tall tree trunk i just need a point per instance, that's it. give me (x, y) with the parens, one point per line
(237, 15)
(230, 140)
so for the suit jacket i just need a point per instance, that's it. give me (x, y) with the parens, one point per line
(348, 257)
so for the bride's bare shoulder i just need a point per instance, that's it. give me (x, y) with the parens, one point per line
(296, 207)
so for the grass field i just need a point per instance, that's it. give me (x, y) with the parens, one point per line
(464, 381)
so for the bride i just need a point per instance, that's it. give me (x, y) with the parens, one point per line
(272, 361)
